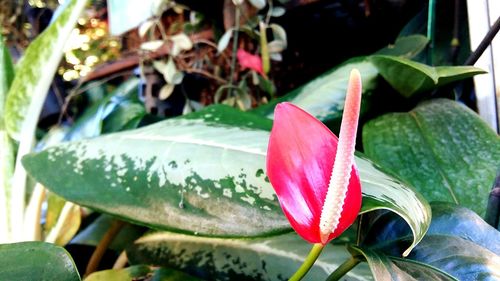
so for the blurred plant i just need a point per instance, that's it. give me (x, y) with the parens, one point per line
(256, 28)
(89, 45)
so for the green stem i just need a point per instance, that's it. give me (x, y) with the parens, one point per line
(343, 269)
(431, 23)
(308, 262)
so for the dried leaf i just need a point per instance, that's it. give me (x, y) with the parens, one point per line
(152, 45)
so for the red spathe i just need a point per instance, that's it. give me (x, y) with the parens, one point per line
(300, 159)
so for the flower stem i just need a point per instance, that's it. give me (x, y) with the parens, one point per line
(343, 269)
(308, 262)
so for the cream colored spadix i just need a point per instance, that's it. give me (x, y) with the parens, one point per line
(344, 159)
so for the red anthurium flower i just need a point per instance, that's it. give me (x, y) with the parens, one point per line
(313, 172)
(249, 61)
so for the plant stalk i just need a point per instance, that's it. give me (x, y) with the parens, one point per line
(431, 28)
(472, 59)
(308, 262)
(96, 257)
(32, 228)
(343, 269)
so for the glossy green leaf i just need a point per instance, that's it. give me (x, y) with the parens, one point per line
(36, 70)
(36, 261)
(324, 96)
(447, 220)
(442, 148)
(385, 268)
(406, 46)
(275, 258)
(458, 242)
(410, 77)
(383, 192)
(460, 258)
(199, 173)
(186, 174)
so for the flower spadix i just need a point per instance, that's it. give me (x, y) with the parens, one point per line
(313, 172)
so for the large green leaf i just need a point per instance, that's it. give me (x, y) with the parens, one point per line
(324, 96)
(36, 261)
(442, 148)
(201, 173)
(36, 70)
(383, 192)
(459, 257)
(385, 268)
(275, 258)
(410, 77)
(458, 242)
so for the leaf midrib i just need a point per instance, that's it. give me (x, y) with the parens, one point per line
(181, 140)
(428, 143)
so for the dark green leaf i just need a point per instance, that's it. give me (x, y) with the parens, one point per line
(442, 148)
(447, 219)
(36, 261)
(274, 258)
(461, 258)
(458, 242)
(383, 192)
(385, 268)
(200, 173)
(410, 78)
(186, 174)
(405, 47)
